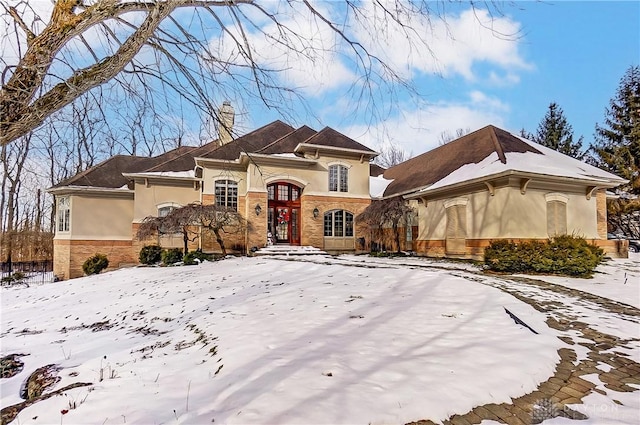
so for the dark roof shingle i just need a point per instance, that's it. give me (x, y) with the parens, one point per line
(428, 168)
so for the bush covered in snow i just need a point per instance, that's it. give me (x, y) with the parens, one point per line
(567, 255)
(150, 254)
(95, 264)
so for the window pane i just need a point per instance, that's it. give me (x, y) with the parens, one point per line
(348, 225)
(344, 185)
(221, 192)
(333, 178)
(338, 223)
(328, 224)
(271, 192)
(283, 192)
(295, 193)
(232, 194)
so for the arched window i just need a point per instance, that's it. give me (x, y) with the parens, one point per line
(338, 223)
(226, 193)
(338, 178)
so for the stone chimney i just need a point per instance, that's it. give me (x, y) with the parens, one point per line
(226, 117)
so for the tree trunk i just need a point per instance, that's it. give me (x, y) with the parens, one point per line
(220, 241)
(185, 239)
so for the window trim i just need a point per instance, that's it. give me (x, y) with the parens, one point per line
(63, 220)
(229, 200)
(556, 214)
(341, 178)
(347, 224)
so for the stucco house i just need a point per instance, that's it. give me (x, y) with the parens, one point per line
(491, 184)
(306, 187)
(302, 186)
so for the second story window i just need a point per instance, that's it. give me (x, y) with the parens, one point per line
(64, 214)
(226, 193)
(338, 178)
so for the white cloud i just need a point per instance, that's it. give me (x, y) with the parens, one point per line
(419, 130)
(303, 55)
(449, 45)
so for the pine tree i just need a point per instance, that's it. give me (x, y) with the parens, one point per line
(556, 133)
(617, 140)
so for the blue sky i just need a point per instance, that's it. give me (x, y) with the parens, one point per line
(571, 53)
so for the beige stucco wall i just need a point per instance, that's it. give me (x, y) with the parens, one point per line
(509, 214)
(314, 179)
(149, 196)
(99, 218)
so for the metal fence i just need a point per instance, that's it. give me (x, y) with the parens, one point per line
(26, 272)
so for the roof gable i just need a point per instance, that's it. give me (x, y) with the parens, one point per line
(251, 142)
(431, 166)
(289, 142)
(334, 139)
(487, 152)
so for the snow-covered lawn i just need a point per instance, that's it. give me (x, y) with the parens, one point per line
(319, 340)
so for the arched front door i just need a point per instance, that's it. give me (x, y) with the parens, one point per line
(284, 212)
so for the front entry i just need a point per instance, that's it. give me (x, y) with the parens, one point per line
(284, 212)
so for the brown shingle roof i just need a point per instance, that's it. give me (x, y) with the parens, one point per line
(288, 143)
(428, 168)
(375, 170)
(330, 137)
(108, 173)
(251, 142)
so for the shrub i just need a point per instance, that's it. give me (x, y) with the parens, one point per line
(567, 255)
(191, 257)
(95, 264)
(171, 256)
(150, 254)
(16, 277)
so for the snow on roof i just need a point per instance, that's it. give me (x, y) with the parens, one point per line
(189, 173)
(377, 186)
(553, 163)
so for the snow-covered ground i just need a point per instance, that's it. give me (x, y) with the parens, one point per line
(264, 340)
(617, 279)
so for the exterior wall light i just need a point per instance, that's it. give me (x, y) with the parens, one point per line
(316, 212)
(258, 209)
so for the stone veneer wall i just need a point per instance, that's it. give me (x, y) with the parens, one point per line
(209, 243)
(601, 210)
(71, 254)
(257, 231)
(312, 229)
(475, 247)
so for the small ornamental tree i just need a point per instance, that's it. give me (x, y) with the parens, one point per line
(387, 212)
(188, 221)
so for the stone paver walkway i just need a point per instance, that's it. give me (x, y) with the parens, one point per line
(617, 370)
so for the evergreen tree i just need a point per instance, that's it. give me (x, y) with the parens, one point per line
(556, 133)
(617, 140)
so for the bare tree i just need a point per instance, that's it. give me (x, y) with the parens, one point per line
(190, 219)
(391, 155)
(446, 137)
(387, 212)
(13, 159)
(194, 51)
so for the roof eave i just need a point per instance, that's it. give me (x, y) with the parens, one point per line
(68, 190)
(302, 147)
(420, 192)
